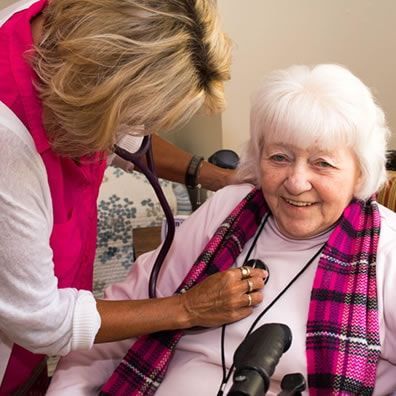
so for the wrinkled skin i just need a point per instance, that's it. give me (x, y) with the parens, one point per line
(222, 298)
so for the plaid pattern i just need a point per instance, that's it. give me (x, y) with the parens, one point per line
(143, 368)
(342, 342)
(342, 331)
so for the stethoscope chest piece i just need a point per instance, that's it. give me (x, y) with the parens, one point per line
(257, 263)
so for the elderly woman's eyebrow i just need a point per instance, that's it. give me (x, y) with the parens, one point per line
(278, 145)
(317, 150)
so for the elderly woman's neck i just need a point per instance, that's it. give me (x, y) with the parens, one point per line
(322, 235)
(37, 28)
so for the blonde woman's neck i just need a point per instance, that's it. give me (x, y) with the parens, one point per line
(37, 28)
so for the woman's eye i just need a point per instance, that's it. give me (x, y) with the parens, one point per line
(324, 164)
(278, 158)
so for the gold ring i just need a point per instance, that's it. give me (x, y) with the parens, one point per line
(250, 300)
(245, 272)
(250, 286)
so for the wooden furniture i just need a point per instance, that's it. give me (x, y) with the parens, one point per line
(146, 239)
(387, 196)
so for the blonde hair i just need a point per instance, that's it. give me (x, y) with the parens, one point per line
(106, 63)
(324, 105)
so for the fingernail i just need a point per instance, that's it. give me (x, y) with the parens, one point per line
(266, 277)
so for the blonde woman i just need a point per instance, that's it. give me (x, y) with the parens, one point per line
(75, 75)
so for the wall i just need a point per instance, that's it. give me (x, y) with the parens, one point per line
(6, 3)
(274, 34)
(202, 135)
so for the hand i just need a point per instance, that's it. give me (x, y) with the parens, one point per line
(223, 297)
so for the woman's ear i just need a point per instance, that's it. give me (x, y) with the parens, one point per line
(358, 182)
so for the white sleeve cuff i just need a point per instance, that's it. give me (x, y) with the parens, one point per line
(86, 321)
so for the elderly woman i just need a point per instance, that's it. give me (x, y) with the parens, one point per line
(316, 157)
(76, 76)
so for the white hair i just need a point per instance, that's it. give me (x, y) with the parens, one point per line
(325, 105)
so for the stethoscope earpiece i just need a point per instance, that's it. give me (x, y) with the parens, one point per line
(257, 263)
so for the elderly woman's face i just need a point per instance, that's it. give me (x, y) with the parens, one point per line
(307, 189)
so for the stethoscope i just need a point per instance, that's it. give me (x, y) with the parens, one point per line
(148, 169)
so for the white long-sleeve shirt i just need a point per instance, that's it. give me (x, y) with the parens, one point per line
(34, 313)
(195, 369)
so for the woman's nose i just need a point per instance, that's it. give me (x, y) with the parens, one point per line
(298, 181)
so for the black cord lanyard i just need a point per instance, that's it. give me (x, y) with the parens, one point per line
(226, 376)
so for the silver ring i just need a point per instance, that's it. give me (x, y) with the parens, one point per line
(250, 285)
(250, 300)
(245, 272)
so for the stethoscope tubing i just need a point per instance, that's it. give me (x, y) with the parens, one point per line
(148, 170)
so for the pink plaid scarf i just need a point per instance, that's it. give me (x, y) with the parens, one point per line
(343, 343)
(342, 331)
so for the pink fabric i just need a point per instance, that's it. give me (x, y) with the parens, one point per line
(343, 346)
(74, 187)
(343, 342)
(144, 367)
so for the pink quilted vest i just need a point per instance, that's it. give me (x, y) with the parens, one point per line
(74, 187)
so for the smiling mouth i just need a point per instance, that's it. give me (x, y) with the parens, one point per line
(300, 204)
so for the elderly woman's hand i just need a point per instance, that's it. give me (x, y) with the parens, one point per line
(224, 297)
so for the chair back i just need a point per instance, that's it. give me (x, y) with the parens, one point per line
(387, 195)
